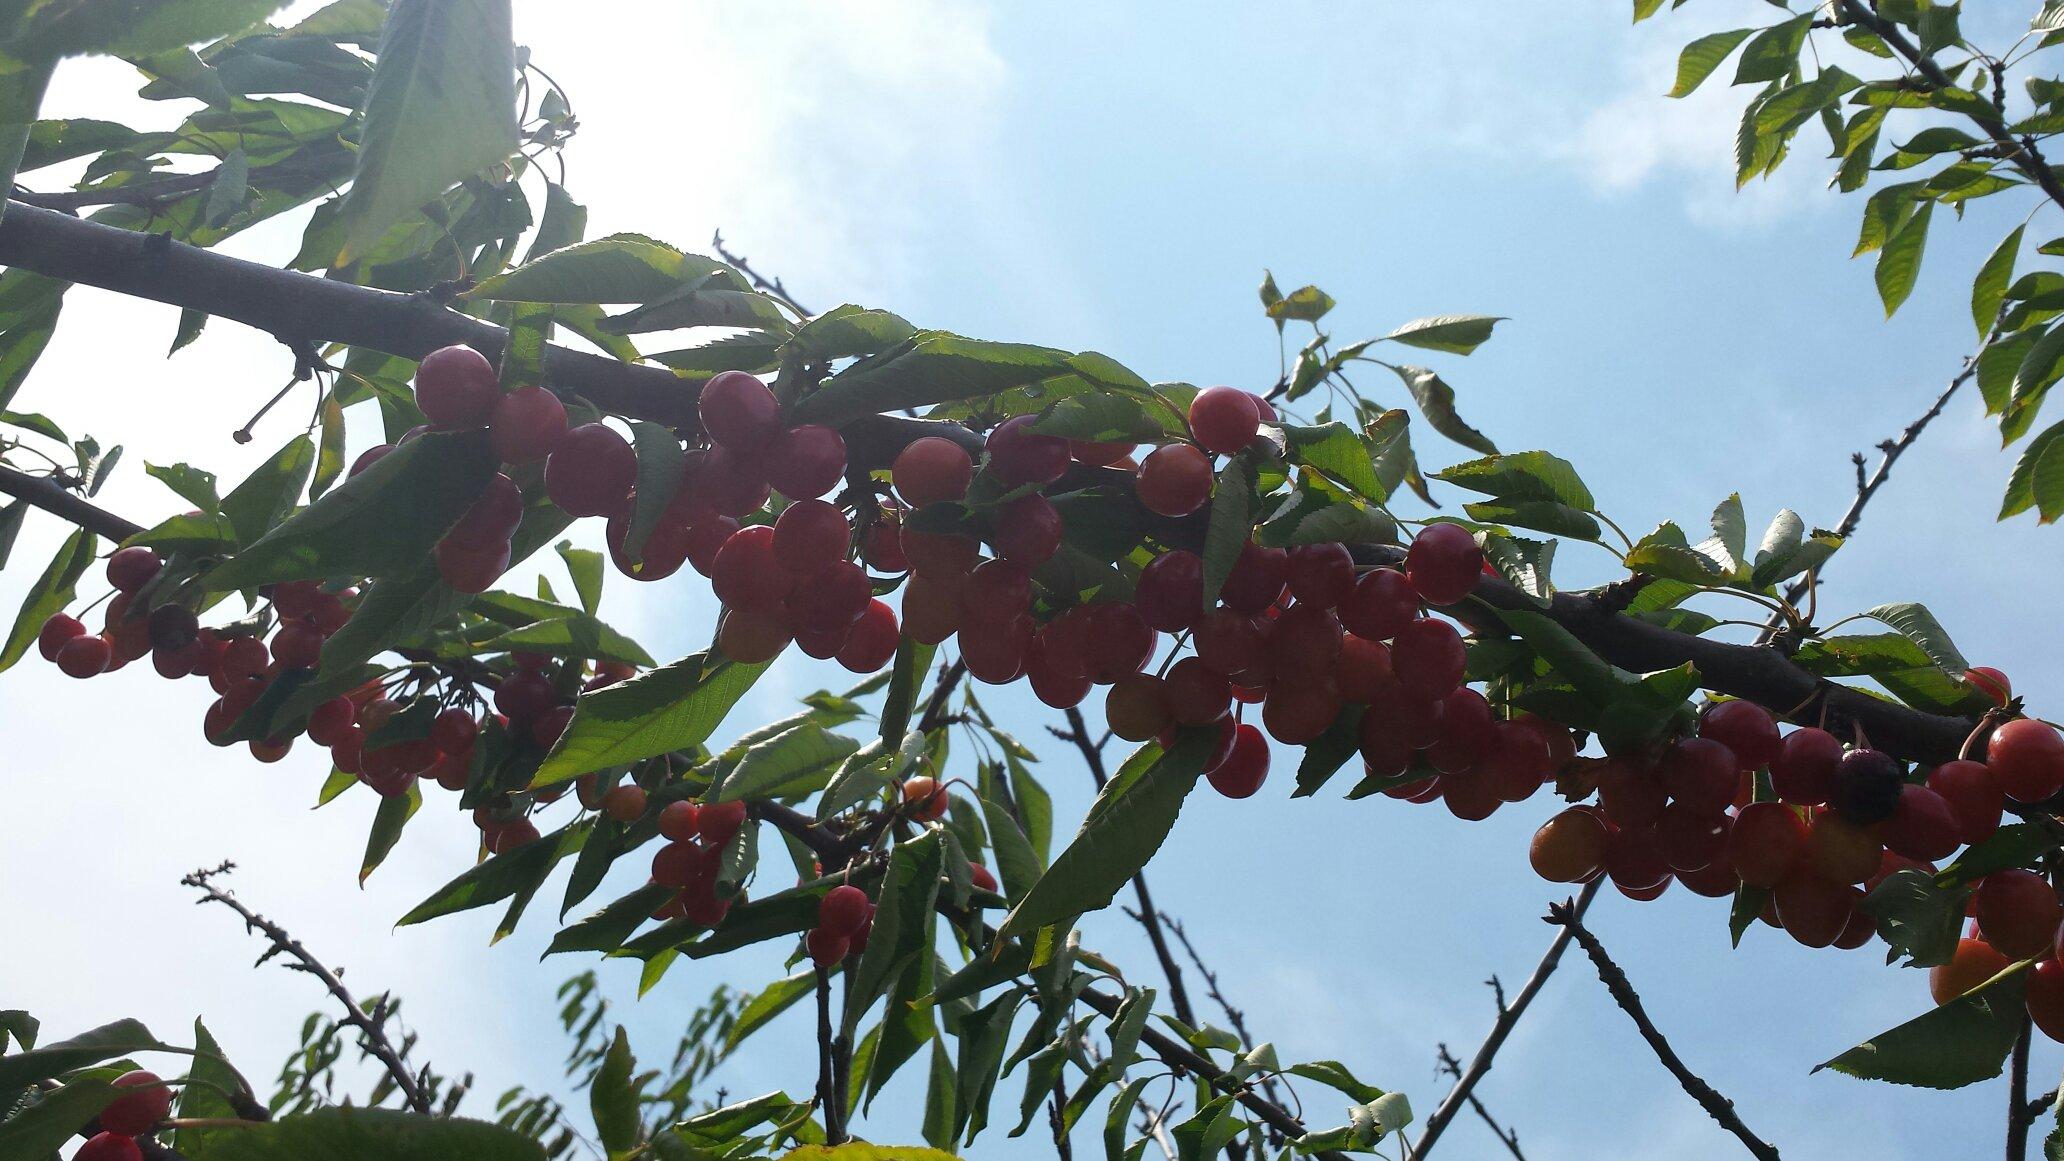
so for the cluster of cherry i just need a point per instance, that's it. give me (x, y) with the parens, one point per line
(127, 1117)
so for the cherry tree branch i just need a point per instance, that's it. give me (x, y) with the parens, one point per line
(771, 286)
(1506, 1137)
(1718, 1107)
(47, 493)
(2018, 1117)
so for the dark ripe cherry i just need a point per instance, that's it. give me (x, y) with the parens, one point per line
(732, 482)
(174, 627)
(1990, 682)
(999, 589)
(1470, 796)
(1866, 788)
(1973, 796)
(109, 1147)
(1518, 763)
(297, 646)
(1922, 825)
(1700, 770)
(981, 879)
(294, 598)
(738, 411)
(1690, 836)
(881, 546)
(1635, 860)
(810, 536)
(995, 647)
(931, 608)
(1803, 771)
(471, 570)
(492, 518)
(932, 470)
(1570, 847)
(2026, 758)
(676, 864)
(1645, 894)
(1028, 530)
(330, 722)
(1245, 766)
(842, 910)
(592, 471)
(678, 821)
(1304, 643)
(2018, 912)
(1321, 574)
(1814, 911)
(1257, 579)
(244, 657)
(1097, 453)
(1716, 880)
(1631, 794)
(1403, 713)
(940, 555)
(526, 425)
(1465, 736)
(832, 600)
(808, 461)
(750, 637)
(1443, 563)
(1381, 604)
(1296, 714)
(328, 612)
(1362, 672)
(1050, 684)
(456, 387)
(871, 643)
(1745, 728)
(1974, 962)
(1119, 642)
(1230, 642)
(131, 568)
(821, 645)
(368, 458)
(1428, 657)
(57, 629)
(662, 554)
(1767, 840)
(1174, 480)
(1196, 695)
(704, 540)
(545, 731)
(2044, 997)
(1224, 419)
(747, 574)
(1018, 455)
(521, 696)
(1170, 593)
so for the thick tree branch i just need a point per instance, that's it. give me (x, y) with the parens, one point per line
(1718, 1107)
(46, 493)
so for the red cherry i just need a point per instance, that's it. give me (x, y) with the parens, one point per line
(932, 470)
(747, 574)
(331, 721)
(1745, 728)
(109, 1147)
(676, 864)
(732, 482)
(995, 648)
(826, 949)
(297, 646)
(1174, 480)
(85, 656)
(1443, 563)
(1840, 851)
(1363, 672)
(999, 589)
(1766, 842)
(719, 823)
(1973, 797)
(1635, 861)
(134, 1112)
(665, 548)
(368, 458)
(453, 730)
(931, 608)
(1814, 911)
(749, 637)
(1974, 962)
(881, 546)
(807, 461)
(1571, 847)
(1050, 683)
(1715, 881)
(810, 536)
(677, 821)
(456, 387)
(980, 878)
(1304, 643)
(1119, 642)
(2018, 912)
(1803, 770)
(927, 797)
(624, 803)
(1224, 419)
(1098, 454)
(1296, 714)
(1631, 795)
(131, 568)
(1429, 657)
(57, 630)
(2026, 758)
(842, 910)
(1690, 836)
(1019, 455)
(1381, 603)
(1990, 682)
(1923, 826)
(1257, 578)
(492, 518)
(1170, 593)
(872, 642)
(2045, 997)
(471, 570)
(1028, 530)
(1230, 642)
(1465, 736)
(1700, 770)
(1245, 766)
(1196, 696)
(1866, 786)
(527, 424)
(1321, 574)
(738, 411)
(521, 697)
(591, 471)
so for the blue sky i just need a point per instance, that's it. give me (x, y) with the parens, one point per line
(1116, 178)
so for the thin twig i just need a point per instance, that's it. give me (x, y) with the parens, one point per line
(1718, 1107)
(773, 287)
(1057, 1119)
(372, 1034)
(1507, 1137)
(1234, 1016)
(2018, 1119)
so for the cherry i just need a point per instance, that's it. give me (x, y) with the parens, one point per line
(980, 878)
(705, 910)
(1570, 847)
(1362, 673)
(1321, 574)
(821, 645)
(872, 642)
(1974, 962)
(243, 657)
(1224, 419)
(1443, 563)
(133, 1113)
(1745, 728)
(1382, 603)
(676, 864)
(1973, 795)
(591, 471)
(526, 425)
(328, 612)
(1690, 836)
(747, 574)
(1195, 695)
(738, 411)
(999, 589)
(175, 627)
(808, 460)
(2026, 758)
(2018, 912)
(2045, 997)
(85, 656)
(368, 458)
(1019, 455)
(57, 630)
(1119, 642)
(732, 482)
(1631, 795)
(826, 949)
(1635, 860)
(1028, 530)
(109, 1147)
(810, 536)
(1803, 770)
(1245, 766)
(995, 648)
(456, 387)
(331, 721)
(1098, 454)
(750, 637)
(1840, 851)
(1428, 656)
(666, 547)
(932, 470)
(1170, 594)
(1990, 682)
(624, 803)
(522, 696)
(1405, 714)
(842, 910)
(1644, 894)
(1814, 911)
(719, 823)
(1518, 763)
(1700, 770)
(1305, 643)
(1137, 707)
(678, 820)
(131, 568)
(471, 570)
(1715, 881)
(931, 609)
(451, 731)
(1051, 685)
(1257, 578)
(1767, 841)
(940, 555)
(297, 646)
(1296, 714)
(492, 518)
(1866, 787)
(928, 798)
(881, 546)
(1922, 825)
(1174, 480)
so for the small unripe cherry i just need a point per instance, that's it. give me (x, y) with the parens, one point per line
(1381, 604)
(57, 629)
(1745, 728)
(85, 656)
(2026, 758)
(625, 803)
(1028, 530)
(1803, 770)
(2018, 912)
(592, 471)
(1224, 419)
(807, 461)
(1174, 480)
(1245, 766)
(1443, 563)
(932, 470)
(1018, 455)
(738, 411)
(842, 910)
(456, 387)
(1570, 847)
(526, 425)
(811, 535)
(927, 797)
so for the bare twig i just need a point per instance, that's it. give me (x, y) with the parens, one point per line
(1507, 1137)
(1057, 1119)
(1564, 915)
(773, 287)
(371, 1030)
(1234, 1016)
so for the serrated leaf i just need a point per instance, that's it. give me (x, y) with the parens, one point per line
(1959, 1043)
(621, 268)
(388, 821)
(53, 590)
(808, 752)
(1702, 56)
(1233, 503)
(1305, 304)
(1521, 476)
(674, 707)
(1457, 334)
(1436, 402)
(1989, 288)
(1899, 263)
(1523, 562)
(1920, 626)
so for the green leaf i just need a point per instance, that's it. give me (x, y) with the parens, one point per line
(913, 661)
(1787, 562)
(938, 367)
(1571, 658)
(1539, 515)
(661, 465)
(778, 763)
(203, 1097)
(393, 815)
(1959, 1043)
(1899, 263)
(1327, 753)
(846, 331)
(1436, 402)
(131, 29)
(577, 636)
(1233, 503)
(1920, 626)
(1105, 418)
(1529, 475)
(584, 566)
(1125, 826)
(21, 95)
(1017, 866)
(614, 1098)
(607, 928)
(1702, 56)
(255, 506)
(674, 707)
(107, 1042)
(384, 521)
(1989, 289)
(768, 1003)
(50, 594)
(704, 305)
(360, 1134)
(500, 876)
(441, 107)
(37, 1131)
(1336, 452)
(2038, 479)
(1523, 562)
(1305, 304)
(1919, 919)
(1774, 52)
(621, 268)
(1457, 334)
(902, 921)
